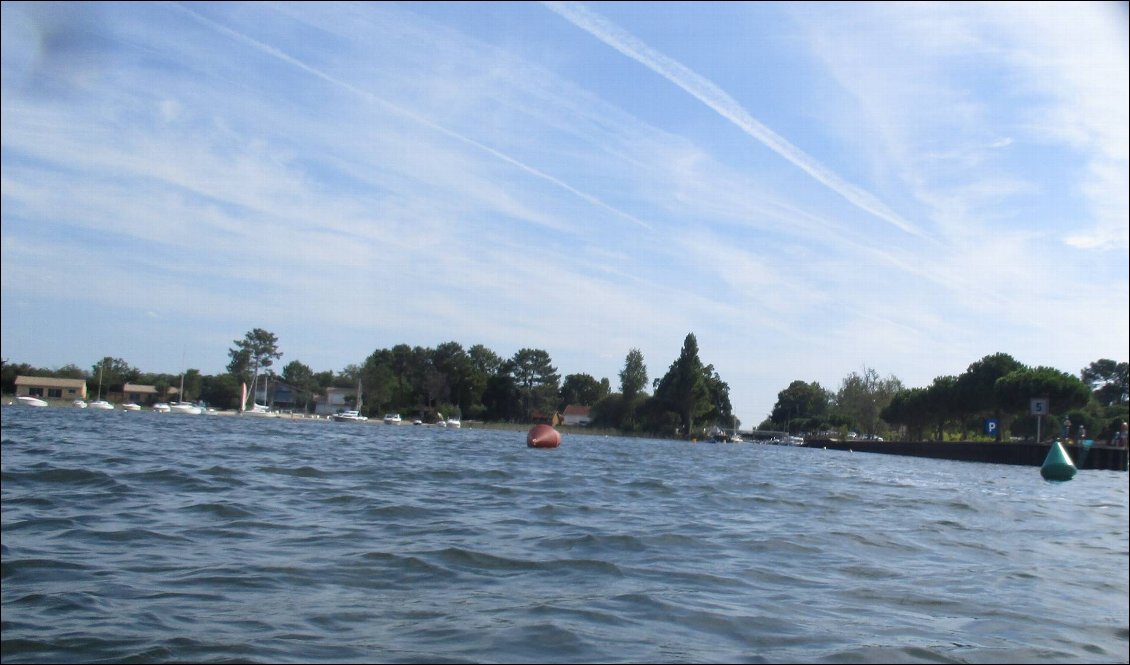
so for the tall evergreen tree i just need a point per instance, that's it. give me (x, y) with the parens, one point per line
(683, 389)
(718, 391)
(634, 375)
(257, 351)
(536, 378)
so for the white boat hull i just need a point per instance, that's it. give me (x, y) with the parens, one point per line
(349, 417)
(185, 408)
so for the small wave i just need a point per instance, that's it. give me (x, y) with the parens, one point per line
(396, 571)
(582, 566)
(472, 560)
(183, 595)
(40, 524)
(225, 581)
(695, 579)
(673, 540)
(650, 484)
(892, 654)
(496, 474)
(173, 479)
(597, 543)
(78, 477)
(219, 509)
(41, 569)
(401, 512)
(56, 604)
(28, 501)
(300, 472)
(529, 642)
(135, 535)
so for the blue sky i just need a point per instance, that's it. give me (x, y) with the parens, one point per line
(812, 189)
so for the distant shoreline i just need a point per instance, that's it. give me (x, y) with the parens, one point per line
(1026, 453)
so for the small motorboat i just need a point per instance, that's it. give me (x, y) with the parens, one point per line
(185, 407)
(349, 417)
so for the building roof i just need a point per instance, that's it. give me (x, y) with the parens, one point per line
(139, 388)
(49, 382)
(577, 410)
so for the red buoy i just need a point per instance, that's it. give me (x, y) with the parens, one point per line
(543, 436)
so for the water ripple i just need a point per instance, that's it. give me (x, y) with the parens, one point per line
(254, 540)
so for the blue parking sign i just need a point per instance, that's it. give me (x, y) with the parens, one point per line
(991, 426)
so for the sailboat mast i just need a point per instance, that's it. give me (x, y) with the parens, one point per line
(180, 395)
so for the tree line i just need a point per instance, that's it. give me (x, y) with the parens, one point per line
(475, 384)
(479, 384)
(955, 407)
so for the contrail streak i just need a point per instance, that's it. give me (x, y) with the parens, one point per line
(272, 51)
(725, 105)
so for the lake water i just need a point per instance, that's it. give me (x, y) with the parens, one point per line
(163, 537)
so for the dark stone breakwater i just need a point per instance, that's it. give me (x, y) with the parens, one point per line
(1025, 454)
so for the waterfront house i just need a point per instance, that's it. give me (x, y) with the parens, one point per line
(575, 414)
(136, 393)
(45, 387)
(283, 396)
(336, 400)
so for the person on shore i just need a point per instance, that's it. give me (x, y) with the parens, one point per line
(1119, 439)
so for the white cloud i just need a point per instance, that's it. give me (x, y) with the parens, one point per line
(725, 105)
(356, 176)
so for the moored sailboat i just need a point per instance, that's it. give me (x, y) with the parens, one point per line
(101, 403)
(182, 406)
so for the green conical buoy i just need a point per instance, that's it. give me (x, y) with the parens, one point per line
(1057, 465)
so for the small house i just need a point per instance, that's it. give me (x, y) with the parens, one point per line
(336, 400)
(45, 387)
(577, 415)
(136, 393)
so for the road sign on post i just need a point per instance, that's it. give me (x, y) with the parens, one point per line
(1039, 406)
(991, 426)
